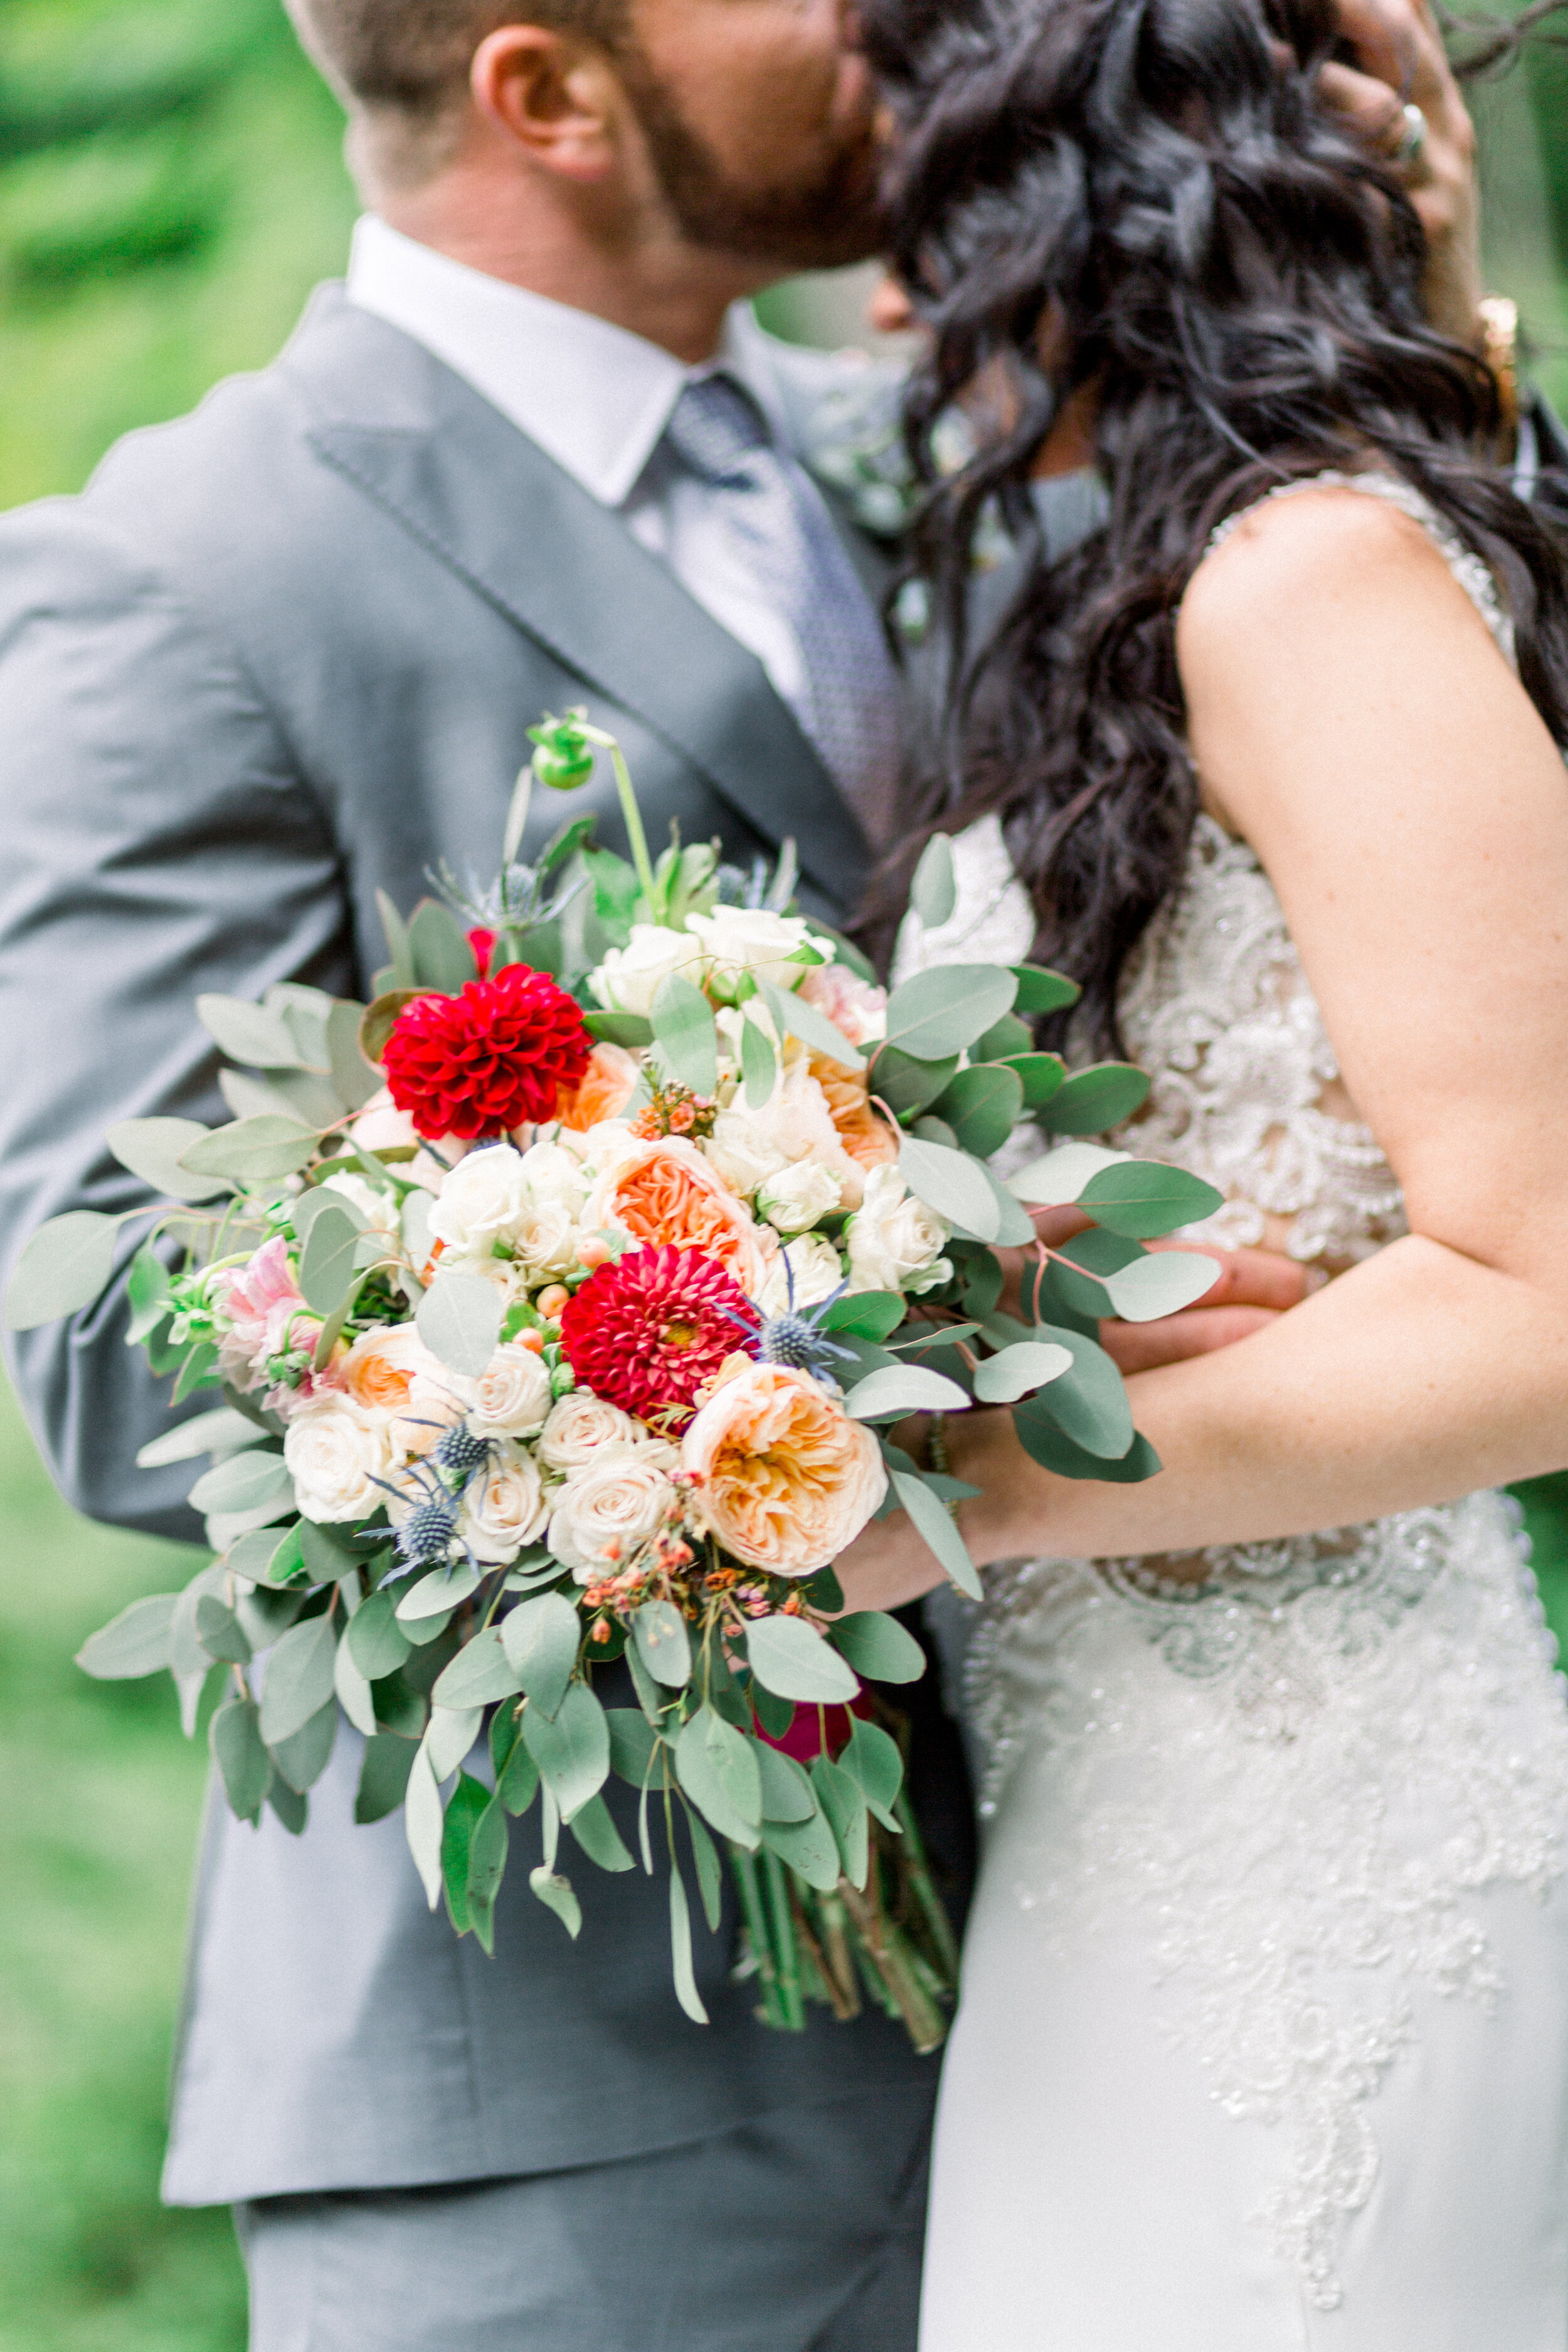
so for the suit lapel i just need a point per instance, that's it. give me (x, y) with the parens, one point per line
(486, 500)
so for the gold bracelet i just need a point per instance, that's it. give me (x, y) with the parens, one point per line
(1499, 348)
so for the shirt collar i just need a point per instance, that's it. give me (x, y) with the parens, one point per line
(594, 396)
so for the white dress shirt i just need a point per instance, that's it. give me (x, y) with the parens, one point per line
(597, 399)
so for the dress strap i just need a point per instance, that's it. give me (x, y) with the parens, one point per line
(1473, 574)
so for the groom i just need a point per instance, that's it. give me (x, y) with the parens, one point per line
(281, 655)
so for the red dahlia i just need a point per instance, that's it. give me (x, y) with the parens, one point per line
(489, 1058)
(647, 1330)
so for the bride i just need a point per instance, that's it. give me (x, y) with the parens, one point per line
(1264, 2033)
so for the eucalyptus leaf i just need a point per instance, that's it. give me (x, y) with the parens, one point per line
(1005, 1041)
(555, 1893)
(304, 1756)
(375, 1638)
(903, 1389)
(481, 1673)
(487, 1865)
(1004, 1379)
(1047, 1445)
(684, 1029)
(934, 1524)
(659, 1632)
(809, 1847)
(944, 1011)
(1163, 1283)
(438, 1593)
(870, 1314)
(316, 1202)
(383, 1777)
(327, 1264)
(873, 1762)
(134, 1643)
(686, 1990)
(380, 1018)
(353, 1076)
(299, 1679)
(1058, 1179)
(790, 1658)
(933, 889)
(1144, 1199)
(65, 1266)
(1040, 1074)
(759, 1065)
(540, 1639)
(600, 1839)
(633, 1745)
(519, 1781)
(628, 1029)
(250, 1033)
(253, 1149)
(424, 1819)
(459, 1319)
(147, 1288)
(150, 1149)
(1089, 1401)
(222, 1429)
(844, 1808)
(1094, 1101)
(253, 1481)
(719, 1771)
(452, 1733)
(796, 1018)
(355, 1694)
(878, 1647)
(572, 1752)
(983, 1106)
(1040, 990)
(952, 1184)
(709, 1873)
(234, 1736)
(786, 1792)
(908, 1085)
(443, 960)
(220, 1632)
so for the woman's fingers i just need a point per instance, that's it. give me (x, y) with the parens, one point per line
(1145, 1347)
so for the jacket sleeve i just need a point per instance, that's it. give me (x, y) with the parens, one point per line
(159, 841)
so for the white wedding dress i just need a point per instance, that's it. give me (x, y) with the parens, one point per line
(1263, 2039)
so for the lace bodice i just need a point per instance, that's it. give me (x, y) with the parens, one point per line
(1267, 1854)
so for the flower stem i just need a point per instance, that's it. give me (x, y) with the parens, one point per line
(630, 813)
(745, 1869)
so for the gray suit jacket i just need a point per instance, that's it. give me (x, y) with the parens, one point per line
(280, 653)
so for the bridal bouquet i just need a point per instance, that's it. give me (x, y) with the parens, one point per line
(561, 1302)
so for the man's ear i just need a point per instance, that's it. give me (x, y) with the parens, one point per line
(555, 97)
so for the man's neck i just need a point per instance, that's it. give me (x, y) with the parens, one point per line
(651, 284)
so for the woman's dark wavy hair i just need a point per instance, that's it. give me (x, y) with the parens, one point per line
(1155, 189)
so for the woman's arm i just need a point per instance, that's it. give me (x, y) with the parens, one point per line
(1352, 718)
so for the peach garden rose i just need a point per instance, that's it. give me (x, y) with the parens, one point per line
(785, 1480)
(666, 1192)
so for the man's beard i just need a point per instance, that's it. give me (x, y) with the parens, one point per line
(822, 222)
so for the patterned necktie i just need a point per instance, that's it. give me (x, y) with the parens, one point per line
(849, 706)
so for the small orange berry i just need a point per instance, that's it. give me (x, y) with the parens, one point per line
(550, 1302)
(532, 1339)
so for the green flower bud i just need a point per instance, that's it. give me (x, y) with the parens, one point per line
(562, 759)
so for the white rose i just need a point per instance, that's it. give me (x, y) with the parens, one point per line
(749, 941)
(629, 979)
(607, 1510)
(335, 1451)
(895, 1241)
(546, 1240)
(742, 1152)
(483, 1201)
(813, 1261)
(581, 1426)
(378, 1209)
(511, 1397)
(503, 1507)
(798, 1195)
(553, 1176)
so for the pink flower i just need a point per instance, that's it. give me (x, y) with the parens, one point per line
(259, 1302)
(856, 1010)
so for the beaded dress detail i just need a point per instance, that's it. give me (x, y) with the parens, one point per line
(1294, 1775)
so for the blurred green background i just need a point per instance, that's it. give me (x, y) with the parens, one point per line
(171, 186)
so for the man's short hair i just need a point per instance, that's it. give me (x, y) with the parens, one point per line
(402, 66)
